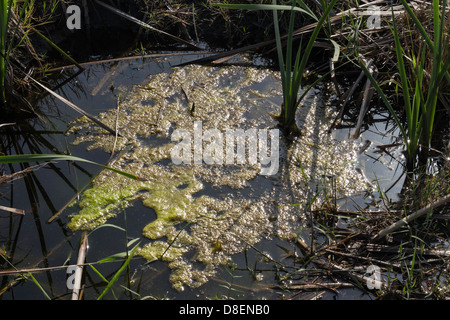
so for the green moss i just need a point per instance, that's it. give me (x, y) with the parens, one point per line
(160, 250)
(162, 193)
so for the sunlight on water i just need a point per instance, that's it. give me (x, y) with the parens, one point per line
(190, 219)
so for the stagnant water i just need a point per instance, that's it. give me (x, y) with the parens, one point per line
(223, 228)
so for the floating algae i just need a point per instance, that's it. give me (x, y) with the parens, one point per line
(189, 218)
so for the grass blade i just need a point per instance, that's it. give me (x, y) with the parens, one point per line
(146, 26)
(23, 158)
(3, 57)
(62, 52)
(76, 108)
(422, 30)
(39, 286)
(118, 273)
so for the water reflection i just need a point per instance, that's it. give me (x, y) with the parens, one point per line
(30, 241)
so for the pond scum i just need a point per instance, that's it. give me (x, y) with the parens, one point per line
(399, 250)
(170, 188)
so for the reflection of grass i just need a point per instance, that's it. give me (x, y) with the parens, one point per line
(17, 140)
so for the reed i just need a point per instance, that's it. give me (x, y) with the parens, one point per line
(8, 44)
(292, 63)
(419, 104)
(18, 20)
(3, 48)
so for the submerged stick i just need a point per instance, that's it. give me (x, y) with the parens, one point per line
(368, 93)
(13, 210)
(79, 268)
(145, 56)
(348, 96)
(395, 226)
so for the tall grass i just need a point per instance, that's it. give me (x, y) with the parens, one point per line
(419, 107)
(292, 71)
(292, 63)
(7, 45)
(18, 19)
(3, 48)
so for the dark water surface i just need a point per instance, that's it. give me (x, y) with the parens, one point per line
(31, 242)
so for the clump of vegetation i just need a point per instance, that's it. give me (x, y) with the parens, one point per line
(19, 58)
(420, 102)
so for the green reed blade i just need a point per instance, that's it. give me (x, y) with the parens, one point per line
(39, 286)
(3, 35)
(292, 76)
(422, 30)
(312, 39)
(118, 273)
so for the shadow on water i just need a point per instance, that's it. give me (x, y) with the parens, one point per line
(30, 241)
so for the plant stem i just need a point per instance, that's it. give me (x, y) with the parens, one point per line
(3, 35)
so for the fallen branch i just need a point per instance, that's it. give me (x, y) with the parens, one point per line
(395, 226)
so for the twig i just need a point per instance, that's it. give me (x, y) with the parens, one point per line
(349, 273)
(348, 96)
(6, 124)
(145, 56)
(395, 226)
(53, 217)
(222, 56)
(79, 268)
(370, 260)
(309, 286)
(13, 210)
(368, 92)
(116, 69)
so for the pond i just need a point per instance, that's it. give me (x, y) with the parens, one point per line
(210, 225)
